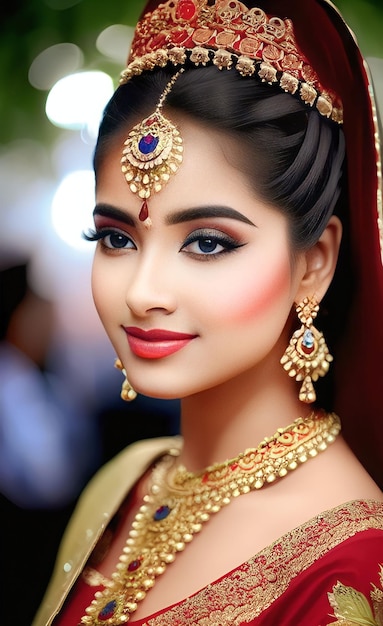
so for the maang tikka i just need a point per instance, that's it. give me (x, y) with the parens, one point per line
(307, 357)
(152, 152)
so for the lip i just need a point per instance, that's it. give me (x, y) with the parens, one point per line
(156, 343)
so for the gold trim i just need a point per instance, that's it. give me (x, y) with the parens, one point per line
(378, 148)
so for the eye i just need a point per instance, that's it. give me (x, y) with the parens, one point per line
(111, 239)
(206, 242)
(205, 245)
(116, 240)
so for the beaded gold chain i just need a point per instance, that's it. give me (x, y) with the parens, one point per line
(180, 502)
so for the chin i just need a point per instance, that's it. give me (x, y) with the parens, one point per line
(158, 394)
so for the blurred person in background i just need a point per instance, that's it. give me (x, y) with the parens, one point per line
(43, 456)
(48, 444)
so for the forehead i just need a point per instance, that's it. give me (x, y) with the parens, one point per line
(210, 162)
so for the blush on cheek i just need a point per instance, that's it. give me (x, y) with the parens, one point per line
(259, 295)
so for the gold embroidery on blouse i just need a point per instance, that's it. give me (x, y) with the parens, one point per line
(250, 589)
(353, 608)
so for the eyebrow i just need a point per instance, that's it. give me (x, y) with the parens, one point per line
(106, 210)
(179, 217)
(196, 213)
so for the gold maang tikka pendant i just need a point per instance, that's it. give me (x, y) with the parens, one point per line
(152, 152)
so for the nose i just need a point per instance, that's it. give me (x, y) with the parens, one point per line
(150, 287)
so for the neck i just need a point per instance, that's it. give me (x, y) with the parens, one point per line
(219, 423)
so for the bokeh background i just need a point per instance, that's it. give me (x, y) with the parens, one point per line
(60, 412)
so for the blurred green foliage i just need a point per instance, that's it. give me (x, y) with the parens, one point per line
(29, 26)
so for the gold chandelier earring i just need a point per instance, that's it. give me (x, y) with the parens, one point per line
(307, 357)
(127, 392)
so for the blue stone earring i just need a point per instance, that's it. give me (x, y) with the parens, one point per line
(307, 357)
(152, 152)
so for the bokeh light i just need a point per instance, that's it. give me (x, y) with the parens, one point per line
(77, 100)
(72, 208)
(53, 63)
(114, 42)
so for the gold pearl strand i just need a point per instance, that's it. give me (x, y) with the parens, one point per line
(180, 502)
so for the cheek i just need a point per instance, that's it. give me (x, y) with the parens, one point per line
(104, 285)
(257, 294)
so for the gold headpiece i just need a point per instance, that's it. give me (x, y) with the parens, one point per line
(152, 152)
(227, 34)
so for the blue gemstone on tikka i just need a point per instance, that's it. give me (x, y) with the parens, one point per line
(161, 513)
(108, 611)
(308, 339)
(148, 144)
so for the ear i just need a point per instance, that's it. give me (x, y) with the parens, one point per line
(321, 261)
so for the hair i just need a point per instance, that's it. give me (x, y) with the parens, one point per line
(291, 154)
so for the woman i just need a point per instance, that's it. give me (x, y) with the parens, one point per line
(238, 198)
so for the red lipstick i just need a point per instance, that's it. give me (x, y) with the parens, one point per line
(155, 343)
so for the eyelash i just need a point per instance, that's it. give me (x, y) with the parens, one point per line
(216, 238)
(101, 235)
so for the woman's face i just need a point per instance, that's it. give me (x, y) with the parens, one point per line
(204, 295)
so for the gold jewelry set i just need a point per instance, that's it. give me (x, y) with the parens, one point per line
(181, 502)
(226, 34)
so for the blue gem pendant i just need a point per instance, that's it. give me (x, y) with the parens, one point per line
(113, 606)
(152, 153)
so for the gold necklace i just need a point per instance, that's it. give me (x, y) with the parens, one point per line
(180, 502)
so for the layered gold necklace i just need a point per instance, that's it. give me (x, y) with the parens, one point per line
(180, 502)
